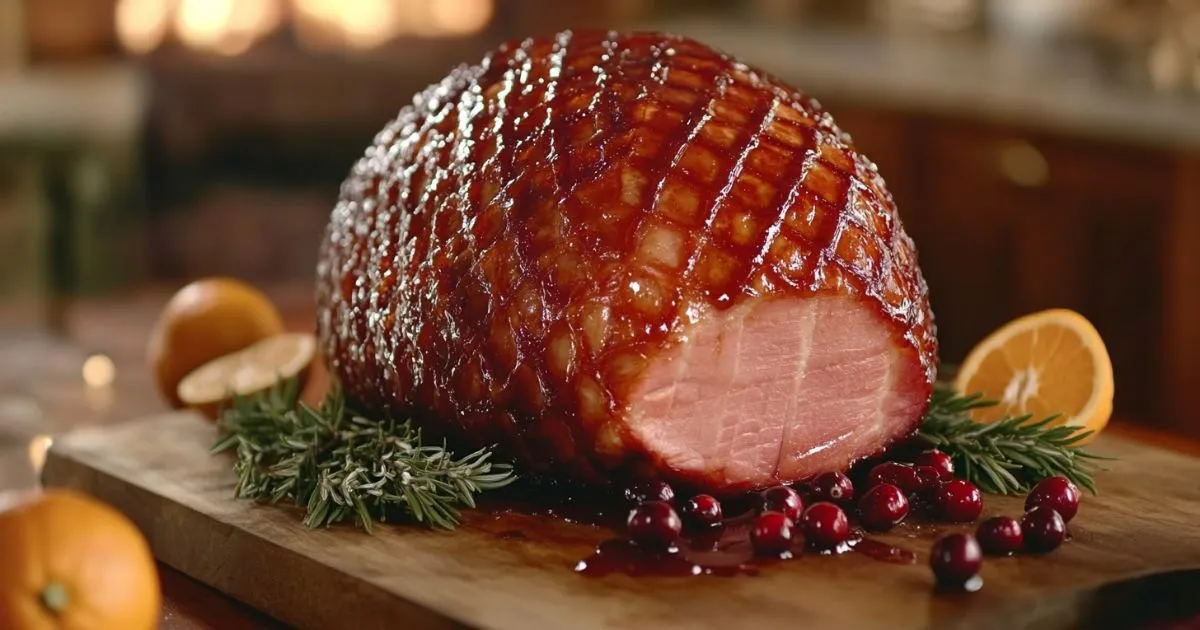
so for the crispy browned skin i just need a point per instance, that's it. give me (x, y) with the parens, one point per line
(477, 271)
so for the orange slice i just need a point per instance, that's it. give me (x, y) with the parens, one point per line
(249, 371)
(1046, 363)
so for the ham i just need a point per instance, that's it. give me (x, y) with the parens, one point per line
(627, 256)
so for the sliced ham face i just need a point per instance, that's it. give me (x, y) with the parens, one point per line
(627, 256)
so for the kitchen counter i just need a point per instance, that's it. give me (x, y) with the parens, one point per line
(1002, 82)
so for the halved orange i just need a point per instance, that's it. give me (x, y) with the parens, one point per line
(206, 319)
(1045, 363)
(249, 371)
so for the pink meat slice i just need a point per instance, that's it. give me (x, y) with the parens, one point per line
(626, 256)
(776, 389)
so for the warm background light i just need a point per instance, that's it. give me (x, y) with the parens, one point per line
(202, 23)
(227, 27)
(99, 371)
(358, 24)
(231, 27)
(37, 451)
(461, 17)
(142, 24)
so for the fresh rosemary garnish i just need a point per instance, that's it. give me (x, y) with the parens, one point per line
(1009, 455)
(343, 466)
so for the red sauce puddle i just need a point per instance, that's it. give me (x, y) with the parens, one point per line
(724, 552)
(884, 552)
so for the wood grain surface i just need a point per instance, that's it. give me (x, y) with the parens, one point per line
(159, 472)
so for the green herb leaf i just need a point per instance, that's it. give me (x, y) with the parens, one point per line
(343, 466)
(1007, 456)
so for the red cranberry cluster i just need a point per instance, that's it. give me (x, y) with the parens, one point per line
(956, 558)
(928, 482)
(782, 512)
(782, 515)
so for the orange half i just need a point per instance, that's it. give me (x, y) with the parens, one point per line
(255, 369)
(1046, 363)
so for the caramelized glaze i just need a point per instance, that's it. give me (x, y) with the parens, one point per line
(524, 237)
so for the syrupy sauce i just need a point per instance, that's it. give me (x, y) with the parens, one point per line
(724, 550)
(622, 556)
(884, 552)
(561, 502)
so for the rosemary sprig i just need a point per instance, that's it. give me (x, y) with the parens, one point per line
(1010, 455)
(342, 466)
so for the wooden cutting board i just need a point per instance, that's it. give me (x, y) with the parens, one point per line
(159, 472)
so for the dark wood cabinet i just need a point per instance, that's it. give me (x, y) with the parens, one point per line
(1009, 221)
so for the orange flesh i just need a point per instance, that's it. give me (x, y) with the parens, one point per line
(1036, 372)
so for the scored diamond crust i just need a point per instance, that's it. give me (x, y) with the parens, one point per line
(521, 240)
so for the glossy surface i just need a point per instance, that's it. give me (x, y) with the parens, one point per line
(784, 500)
(1043, 528)
(958, 501)
(903, 476)
(825, 526)
(938, 460)
(772, 534)
(929, 479)
(702, 511)
(1057, 493)
(834, 487)
(516, 248)
(622, 556)
(650, 490)
(654, 525)
(882, 507)
(955, 559)
(1000, 536)
(725, 552)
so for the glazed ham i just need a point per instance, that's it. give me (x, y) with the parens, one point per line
(627, 256)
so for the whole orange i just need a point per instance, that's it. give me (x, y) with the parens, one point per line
(207, 319)
(74, 563)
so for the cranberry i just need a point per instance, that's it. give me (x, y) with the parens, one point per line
(1057, 493)
(955, 559)
(959, 501)
(771, 534)
(825, 526)
(882, 507)
(833, 487)
(928, 479)
(783, 499)
(900, 475)
(938, 460)
(702, 510)
(654, 525)
(650, 491)
(1000, 536)
(1044, 529)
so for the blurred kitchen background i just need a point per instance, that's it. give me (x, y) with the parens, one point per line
(1042, 152)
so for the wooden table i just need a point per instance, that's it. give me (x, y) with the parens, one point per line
(42, 393)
